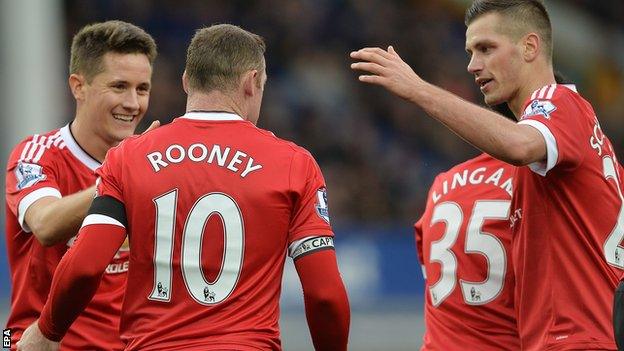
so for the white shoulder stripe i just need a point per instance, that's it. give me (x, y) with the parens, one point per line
(38, 155)
(534, 95)
(34, 149)
(100, 219)
(25, 150)
(52, 139)
(542, 92)
(551, 91)
(31, 154)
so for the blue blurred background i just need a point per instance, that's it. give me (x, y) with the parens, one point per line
(378, 153)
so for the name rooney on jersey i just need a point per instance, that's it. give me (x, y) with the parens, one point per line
(475, 177)
(224, 157)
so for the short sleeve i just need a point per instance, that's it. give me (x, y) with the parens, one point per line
(109, 181)
(32, 174)
(310, 216)
(560, 121)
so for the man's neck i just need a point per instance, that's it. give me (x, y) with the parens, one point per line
(87, 139)
(536, 80)
(214, 101)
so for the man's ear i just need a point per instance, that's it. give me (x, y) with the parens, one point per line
(249, 82)
(77, 84)
(532, 47)
(185, 83)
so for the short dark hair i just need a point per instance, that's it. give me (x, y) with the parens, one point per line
(219, 54)
(525, 15)
(94, 40)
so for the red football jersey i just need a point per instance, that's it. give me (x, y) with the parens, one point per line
(464, 244)
(53, 164)
(567, 222)
(212, 204)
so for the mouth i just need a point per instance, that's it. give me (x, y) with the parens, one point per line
(484, 83)
(123, 118)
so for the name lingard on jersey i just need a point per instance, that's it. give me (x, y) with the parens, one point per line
(233, 160)
(481, 175)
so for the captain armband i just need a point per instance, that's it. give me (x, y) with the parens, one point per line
(106, 210)
(310, 244)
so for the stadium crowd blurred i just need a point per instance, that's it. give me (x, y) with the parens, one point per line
(379, 154)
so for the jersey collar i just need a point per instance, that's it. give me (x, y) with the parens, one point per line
(212, 116)
(77, 151)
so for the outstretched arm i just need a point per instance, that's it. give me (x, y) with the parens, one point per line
(326, 302)
(54, 220)
(76, 280)
(487, 130)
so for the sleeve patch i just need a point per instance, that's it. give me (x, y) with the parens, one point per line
(322, 208)
(309, 245)
(539, 107)
(110, 207)
(28, 174)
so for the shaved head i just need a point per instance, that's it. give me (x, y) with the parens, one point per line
(521, 17)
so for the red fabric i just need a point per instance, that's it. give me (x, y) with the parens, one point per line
(458, 322)
(277, 203)
(326, 302)
(564, 286)
(32, 265)
(78, 276)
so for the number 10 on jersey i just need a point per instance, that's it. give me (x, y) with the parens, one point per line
(202, 291)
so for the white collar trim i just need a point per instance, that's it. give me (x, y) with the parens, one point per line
(77, 151)
(212, 116)
(571, 87)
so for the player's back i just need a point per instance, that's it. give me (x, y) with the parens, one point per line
(212, 206)
(464, 243)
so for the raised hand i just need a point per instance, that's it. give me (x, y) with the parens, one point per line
(386, 68)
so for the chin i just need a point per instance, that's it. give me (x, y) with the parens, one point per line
(119, 136)
(492, 100)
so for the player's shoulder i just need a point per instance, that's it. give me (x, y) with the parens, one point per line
(35, 147)
(554, 91)
(550, 98)
(283, 144)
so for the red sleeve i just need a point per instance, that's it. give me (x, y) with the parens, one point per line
(560, 120)
(326, 302)
(311, 213)
(77, 277)
(418, 227)
(418, 233)
(32, 173)
(109, 175)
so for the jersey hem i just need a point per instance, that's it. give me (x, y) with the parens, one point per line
(580, 345)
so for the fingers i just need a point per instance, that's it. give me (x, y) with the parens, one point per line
(392, 51)
(155, 124)
(375, 55)
(368, 67)
(377, 80)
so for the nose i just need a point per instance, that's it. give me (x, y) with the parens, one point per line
(475, 65)
(131, 100)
